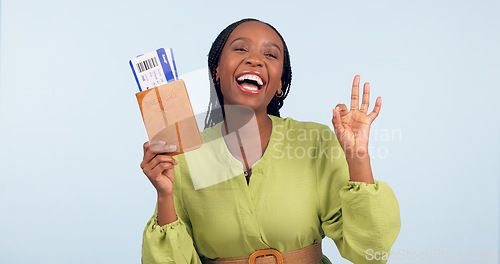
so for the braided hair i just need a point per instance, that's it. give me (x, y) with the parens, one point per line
(215, 113)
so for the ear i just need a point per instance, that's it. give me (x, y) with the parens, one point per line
(217, 77)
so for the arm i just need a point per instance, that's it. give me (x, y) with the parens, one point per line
(166, 210)
(166, 238)
(363, 218)
(352, 129)
(158, 166)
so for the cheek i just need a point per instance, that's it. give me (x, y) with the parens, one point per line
(227, 65)
(275, 74)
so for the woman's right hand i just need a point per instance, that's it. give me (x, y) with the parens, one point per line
(158, 166)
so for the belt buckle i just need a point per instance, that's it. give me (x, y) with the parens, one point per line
(266, 252)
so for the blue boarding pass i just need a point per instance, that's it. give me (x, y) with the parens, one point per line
(154, 68)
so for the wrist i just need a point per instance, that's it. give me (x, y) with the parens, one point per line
(165, 195)
(360, 168)
(166, 210)
(357, 154)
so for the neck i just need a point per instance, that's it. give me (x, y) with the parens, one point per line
(250, 133)
(245, 121)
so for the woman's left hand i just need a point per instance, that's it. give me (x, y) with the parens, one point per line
(352, 127)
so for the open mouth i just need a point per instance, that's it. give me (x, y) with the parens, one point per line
(250, 82)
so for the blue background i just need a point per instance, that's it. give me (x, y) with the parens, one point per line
(71, 134)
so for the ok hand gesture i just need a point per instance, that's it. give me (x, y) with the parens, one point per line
(352, 127)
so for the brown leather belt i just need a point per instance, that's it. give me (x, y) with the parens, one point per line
(308, 255)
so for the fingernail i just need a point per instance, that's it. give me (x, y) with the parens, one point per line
(171, 147)
(157, 142)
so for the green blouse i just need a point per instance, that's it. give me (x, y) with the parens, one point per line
(299, 192)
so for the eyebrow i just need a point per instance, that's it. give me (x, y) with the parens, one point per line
(248, 40)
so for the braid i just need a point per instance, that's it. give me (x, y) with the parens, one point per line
(214, 115)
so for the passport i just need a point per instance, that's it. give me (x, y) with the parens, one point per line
(164, 102)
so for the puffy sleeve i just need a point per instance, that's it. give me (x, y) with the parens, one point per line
(171, 243)
(362, 219)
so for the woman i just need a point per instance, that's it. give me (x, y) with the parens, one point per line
(264, 182)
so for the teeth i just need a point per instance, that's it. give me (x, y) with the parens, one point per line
(249, 87)
(252, 77)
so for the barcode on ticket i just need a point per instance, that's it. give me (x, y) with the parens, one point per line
(154, 68)
(147, 64)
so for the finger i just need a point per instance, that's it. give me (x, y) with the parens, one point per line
(337, 122)
(159, 170)
(145, 146)
(376, 109)
(159, 159)
(342, 109)
(160, 146)
(150, 154)
(355, 93)
(366, 98)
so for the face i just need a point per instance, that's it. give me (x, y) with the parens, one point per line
(250, 66)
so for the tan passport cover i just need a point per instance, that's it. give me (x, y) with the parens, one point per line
(168, 116)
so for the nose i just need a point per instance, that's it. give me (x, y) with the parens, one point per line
(254, 60)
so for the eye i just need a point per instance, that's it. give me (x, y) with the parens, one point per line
(271, 55)
(239, 49)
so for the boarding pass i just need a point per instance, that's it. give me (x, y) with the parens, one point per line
(154, 68)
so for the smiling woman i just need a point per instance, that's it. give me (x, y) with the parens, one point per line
(250, 66)
(214, 59)
(239, 199)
